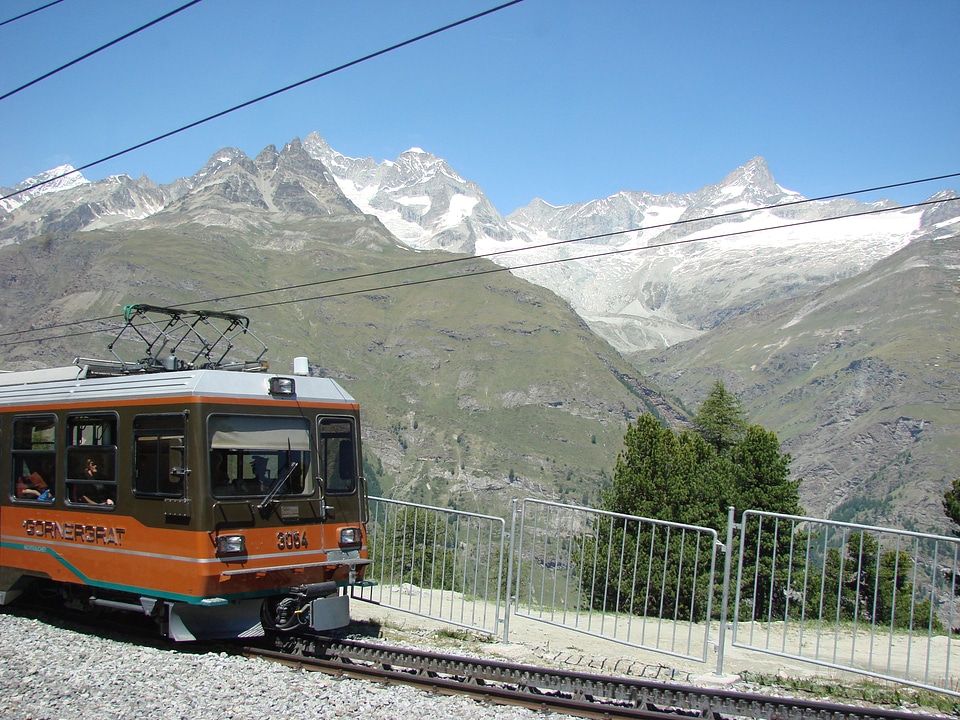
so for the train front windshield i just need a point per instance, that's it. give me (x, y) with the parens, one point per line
(250, 455)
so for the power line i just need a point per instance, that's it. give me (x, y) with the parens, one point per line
(269, 95)
(488, 271)
(94, 52)
(29, 12)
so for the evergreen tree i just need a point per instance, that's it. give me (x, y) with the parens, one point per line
(692, 477)
(761, 474)
(720, 420)
(867, 584)
(951, 505)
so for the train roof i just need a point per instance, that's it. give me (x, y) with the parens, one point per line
(81, 384)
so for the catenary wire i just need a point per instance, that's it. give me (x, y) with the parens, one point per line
(29, 12)
(269, 95)
(463, 259)
(488, 271)
(99, 49)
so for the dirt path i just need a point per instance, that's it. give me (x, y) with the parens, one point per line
(538, 642)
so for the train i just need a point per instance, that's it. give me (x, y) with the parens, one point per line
(216, 497)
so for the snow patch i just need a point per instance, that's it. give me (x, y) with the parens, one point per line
(733, 190)
(460, 207)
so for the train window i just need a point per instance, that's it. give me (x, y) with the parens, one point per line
(249, 454)
(34, 458)
(159, 455)
(338, 455)
(92, 459)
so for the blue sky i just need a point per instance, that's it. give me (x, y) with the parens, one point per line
(566, 101)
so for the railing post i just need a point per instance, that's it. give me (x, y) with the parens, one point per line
(509, 595)
(725, 604)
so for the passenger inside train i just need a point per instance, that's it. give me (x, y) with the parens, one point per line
(94, 492)
(38, 485)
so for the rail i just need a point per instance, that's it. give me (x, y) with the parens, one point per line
(637, 581)
(549, 689)
(877, 601)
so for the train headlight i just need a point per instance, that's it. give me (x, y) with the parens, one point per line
(282, 386)
(231, 545)
(350, 536)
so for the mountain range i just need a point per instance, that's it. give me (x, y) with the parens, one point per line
(742, 280)
(644, 271)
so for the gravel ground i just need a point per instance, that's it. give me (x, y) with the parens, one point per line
(58, 670)
(53, 672)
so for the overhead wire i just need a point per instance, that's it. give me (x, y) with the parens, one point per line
(267, 96)
(274, 93)
(480, 273)
(21, 16)
(94, 52)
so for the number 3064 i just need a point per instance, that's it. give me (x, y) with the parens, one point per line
(292, 540)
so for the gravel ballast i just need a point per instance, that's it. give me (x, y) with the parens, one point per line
(47, 671)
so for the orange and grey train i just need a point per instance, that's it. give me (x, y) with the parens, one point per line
(222, 503)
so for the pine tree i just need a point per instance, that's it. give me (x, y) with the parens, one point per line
(762, 474)
(951, 505)
(692, 477)
(720, 420)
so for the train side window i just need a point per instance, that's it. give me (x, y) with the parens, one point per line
(34, 458)
(92, 459)
(338, 455)
(159, 455)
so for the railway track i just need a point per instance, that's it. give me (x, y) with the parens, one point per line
(581, 694)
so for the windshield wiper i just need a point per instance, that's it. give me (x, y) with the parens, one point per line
(278, 483)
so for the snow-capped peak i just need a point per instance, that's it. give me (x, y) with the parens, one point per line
(59, 178)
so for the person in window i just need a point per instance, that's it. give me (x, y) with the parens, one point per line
(93, 493)
(260, 471)
(38, 485)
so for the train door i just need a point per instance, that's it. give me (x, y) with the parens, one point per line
(339, 468)
(160, 463)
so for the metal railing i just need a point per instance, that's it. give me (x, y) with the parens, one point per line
(640, 582)
(436, 563)
(872, 600)
(875, 601)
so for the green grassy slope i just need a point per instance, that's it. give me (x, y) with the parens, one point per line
(473, 390)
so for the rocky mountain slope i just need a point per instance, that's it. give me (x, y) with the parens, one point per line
(644, 271)
(859, 379)
(73, 204)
